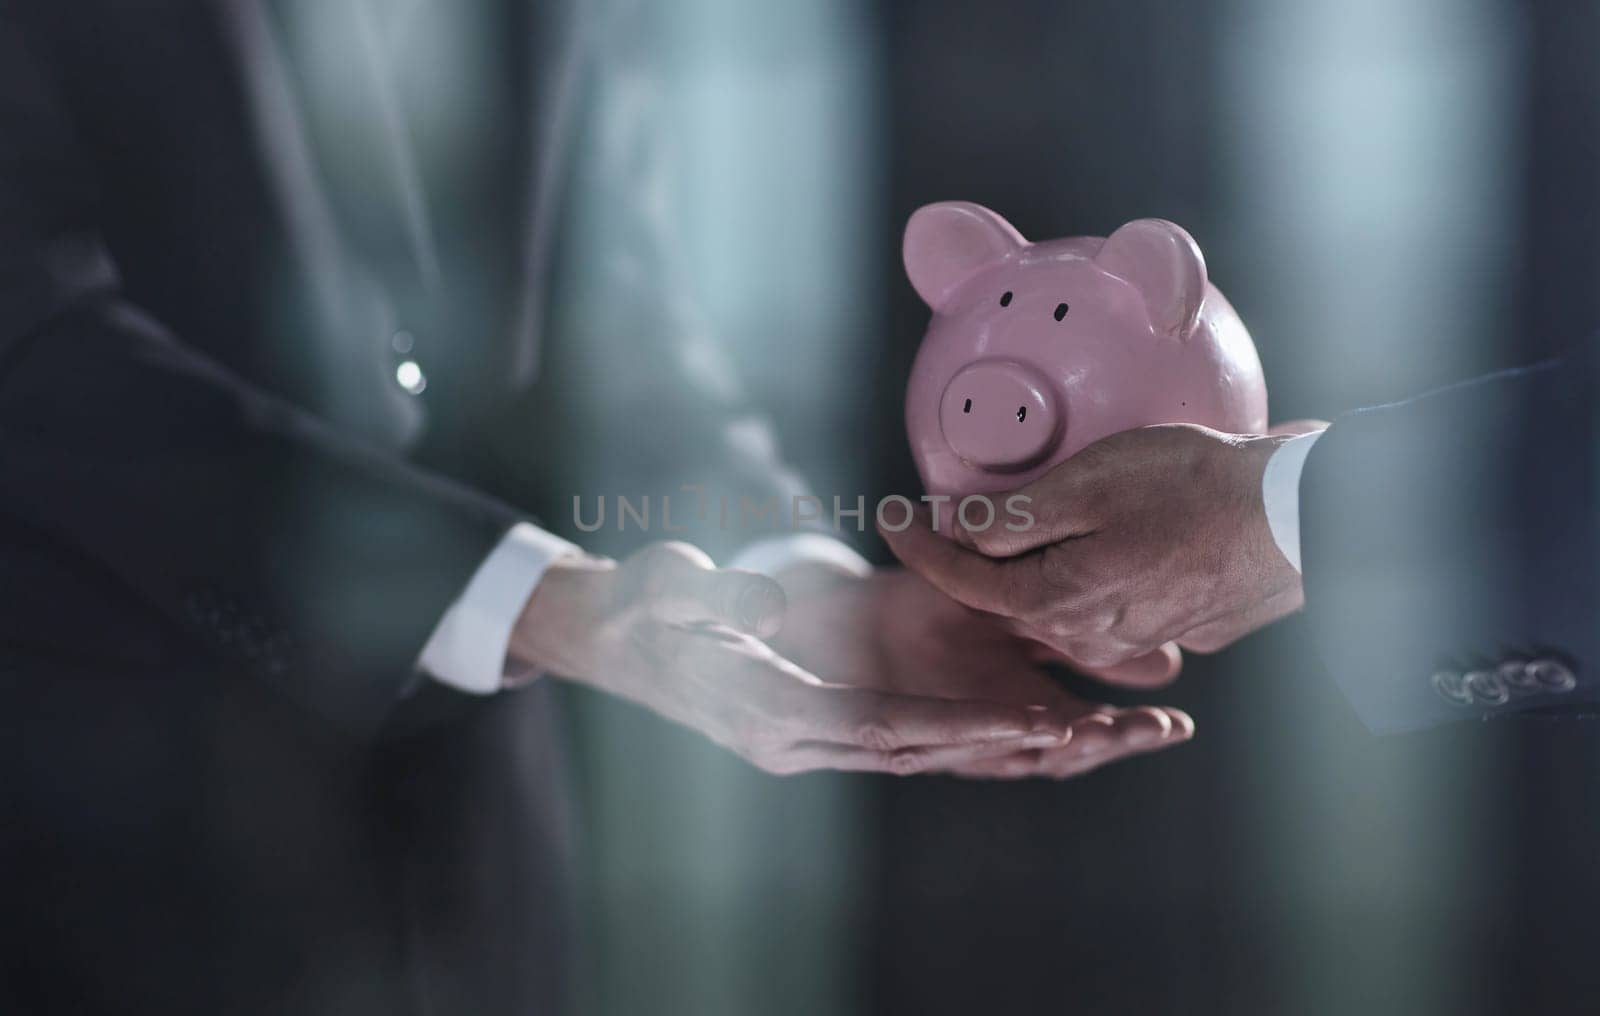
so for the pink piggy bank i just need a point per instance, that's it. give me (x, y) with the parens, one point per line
(1038, 349)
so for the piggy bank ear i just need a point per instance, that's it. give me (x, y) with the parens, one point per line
(1165, 265)
(946, 242)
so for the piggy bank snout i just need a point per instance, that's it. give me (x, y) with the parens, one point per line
(1000, 415)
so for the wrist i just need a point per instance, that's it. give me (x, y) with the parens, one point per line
(555, 632)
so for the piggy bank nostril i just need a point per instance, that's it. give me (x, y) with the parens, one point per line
(968, 407)
(1022, 413)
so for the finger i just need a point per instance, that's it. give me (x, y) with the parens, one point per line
(1090, 651)
(886, 722)
(681, 587)
(810, 755)
(1087, 752)
(1104, 737)
(1116, 730)
(1294, 428)
(1090, 735)
(1155, 669)
(1133, 732)
(1053, 508)
(961, 574)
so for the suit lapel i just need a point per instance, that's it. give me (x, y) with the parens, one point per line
(344, 60)
(561, 47)
(354, 317)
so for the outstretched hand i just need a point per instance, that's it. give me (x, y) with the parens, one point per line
(667, 630)
(894, 632)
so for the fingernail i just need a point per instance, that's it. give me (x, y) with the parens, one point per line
(1141, 732)
(1182, 726)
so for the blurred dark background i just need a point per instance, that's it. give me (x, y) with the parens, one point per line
(1394, 196)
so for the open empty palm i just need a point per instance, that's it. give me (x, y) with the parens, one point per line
(894, 632)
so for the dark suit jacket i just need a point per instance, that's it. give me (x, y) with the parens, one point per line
(223, 790)
(1451, 546)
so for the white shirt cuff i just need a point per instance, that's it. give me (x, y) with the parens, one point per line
(769, 557)
(1280, 493)
(468, 649)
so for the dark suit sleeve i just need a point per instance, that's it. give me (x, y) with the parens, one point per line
(1450, 549)
(309, 559)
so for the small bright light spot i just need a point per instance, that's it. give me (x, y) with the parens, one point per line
(409, 375)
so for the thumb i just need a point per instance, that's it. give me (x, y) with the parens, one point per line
(1052, 508)
(1154, 669)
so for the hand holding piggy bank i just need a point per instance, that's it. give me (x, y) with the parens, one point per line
(1039, 349)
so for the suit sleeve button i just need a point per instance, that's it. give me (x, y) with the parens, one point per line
(1486, 687)
(1552, 675)
(1452, 687)
(1518, 677)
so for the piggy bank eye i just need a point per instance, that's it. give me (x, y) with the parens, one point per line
(1061, 311)
(1005, 298)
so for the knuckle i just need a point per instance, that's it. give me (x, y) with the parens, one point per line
(1116, 618)
(1069, 581)
(1069, 630)
(1082, 579)
(908, 761)
(753, 601)
(877, 734)
(1022, 594)
(1134, 631)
